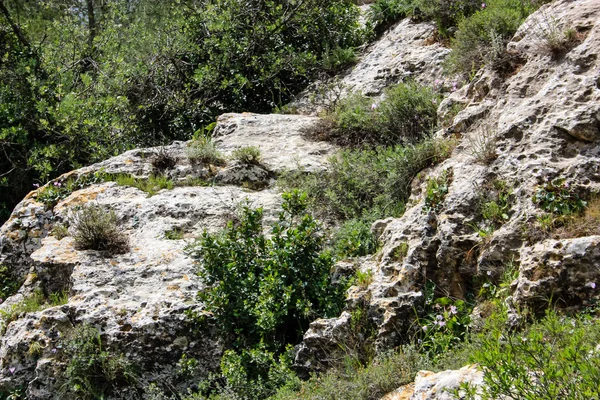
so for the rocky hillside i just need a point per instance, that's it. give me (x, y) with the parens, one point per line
(534, 128)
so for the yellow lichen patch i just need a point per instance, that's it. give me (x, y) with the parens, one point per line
(80, 197)
(173, 287)
(56, 252)
(129, 161)
(35, 233)
(186, 278)
(15, 235)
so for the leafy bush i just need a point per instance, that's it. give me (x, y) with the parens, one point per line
(93, 372)
(96, 229)
(354, 239)
(558, 198)
(556, 358)
(407, 113)
(287, 275)
(287, 278)
(482, 37)
(368, 184)
(249, 155)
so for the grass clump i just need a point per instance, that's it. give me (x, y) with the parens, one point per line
(368, 184)
(96, 229)
(249, 155)
(356, 382)
(152, 185)
(163, 160)
(482, 145)
(36, 301)
(203, 150)
(92, 371)
(406, 114)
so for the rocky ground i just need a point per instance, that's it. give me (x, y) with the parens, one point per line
(542, 120)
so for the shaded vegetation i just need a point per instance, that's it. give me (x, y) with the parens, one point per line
(82, 81)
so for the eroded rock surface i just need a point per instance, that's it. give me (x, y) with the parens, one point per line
(543, 121)
(138, 299)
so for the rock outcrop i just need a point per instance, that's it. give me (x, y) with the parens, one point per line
(137, 300)
(542, 121)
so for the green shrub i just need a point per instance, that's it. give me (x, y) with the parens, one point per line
(436, 190)
(9, 284)
(93, 372)
(368, 184)
(556, 358)
(96, 229)
(287, 275)
(203, 150)
(407, 113)
(249, 155)
(264, 291)
(558, 198)
(354, 239)
(482, 37)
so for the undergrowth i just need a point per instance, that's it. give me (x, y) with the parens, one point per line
(367, 184)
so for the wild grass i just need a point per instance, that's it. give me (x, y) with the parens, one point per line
(96, 229)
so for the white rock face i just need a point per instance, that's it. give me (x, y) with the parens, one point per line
(406, 51)
(138, 299)
(438, 386)
(544, 117)
(545, 120)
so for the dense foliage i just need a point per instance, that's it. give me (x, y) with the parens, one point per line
(83, 80)
(264, 291)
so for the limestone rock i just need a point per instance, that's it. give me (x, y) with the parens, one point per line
(438, 386)
(567, 270)
(138, 300)
(406, 51)
(543, 123)
(279, 138)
